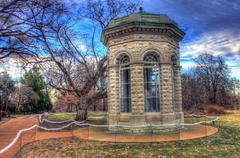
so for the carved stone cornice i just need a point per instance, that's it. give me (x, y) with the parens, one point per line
(169, 30)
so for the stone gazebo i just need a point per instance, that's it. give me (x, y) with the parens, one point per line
(144, 85)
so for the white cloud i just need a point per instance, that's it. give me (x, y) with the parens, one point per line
(82, 47)
(188, 64)
(236, 72)
(224, 43)
(13, 68)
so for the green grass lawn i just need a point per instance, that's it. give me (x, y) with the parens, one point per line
(98, 118)
(61, 116)
(224, 144)
(196, 119)
(231, 119)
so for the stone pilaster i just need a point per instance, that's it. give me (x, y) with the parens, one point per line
(166, 93)
(178, 93)
(137, 94)
(113, 95)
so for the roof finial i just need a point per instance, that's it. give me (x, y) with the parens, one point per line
(140, 9)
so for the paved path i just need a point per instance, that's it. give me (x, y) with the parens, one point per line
(193, 132)
(8, 132)
(9, 129)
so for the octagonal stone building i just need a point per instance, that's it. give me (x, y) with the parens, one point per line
(144, 84)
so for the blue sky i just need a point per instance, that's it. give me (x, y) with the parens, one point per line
(211, 26)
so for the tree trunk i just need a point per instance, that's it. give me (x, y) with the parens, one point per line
(215, 95)
(81, 115)
(104, 104)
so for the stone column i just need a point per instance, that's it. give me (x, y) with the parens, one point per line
(178, 93)
(137, 94)
(113, 95)
(166, 104)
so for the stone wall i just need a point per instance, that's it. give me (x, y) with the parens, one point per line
(135, 46)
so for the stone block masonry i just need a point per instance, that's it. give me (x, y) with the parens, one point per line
(131, 37)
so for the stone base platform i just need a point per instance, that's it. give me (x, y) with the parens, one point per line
(101, 134)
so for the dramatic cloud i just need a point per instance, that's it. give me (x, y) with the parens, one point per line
(211, 26)
(224, 43)
(13, 67)
(201, 14)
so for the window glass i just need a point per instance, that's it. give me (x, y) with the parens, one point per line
(151, 83)
(125, 84)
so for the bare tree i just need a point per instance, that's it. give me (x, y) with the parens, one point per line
(6, 87)
(46, 31)
(5, 5)
(235, 95)
(14, 29)
(24, 98)
(207, 83)
(194, 96)
(16, 20)
(214, 73)
(68, 102)
(102, 11)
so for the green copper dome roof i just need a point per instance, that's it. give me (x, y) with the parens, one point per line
(141, 17)
(142, 22)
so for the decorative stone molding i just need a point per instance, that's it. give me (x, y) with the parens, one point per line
(135, 37)
(168, 30)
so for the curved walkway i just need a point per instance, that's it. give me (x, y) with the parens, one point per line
(191, 132)
(9, 130)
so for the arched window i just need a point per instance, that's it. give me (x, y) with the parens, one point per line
(125, 84)
(151, 83)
